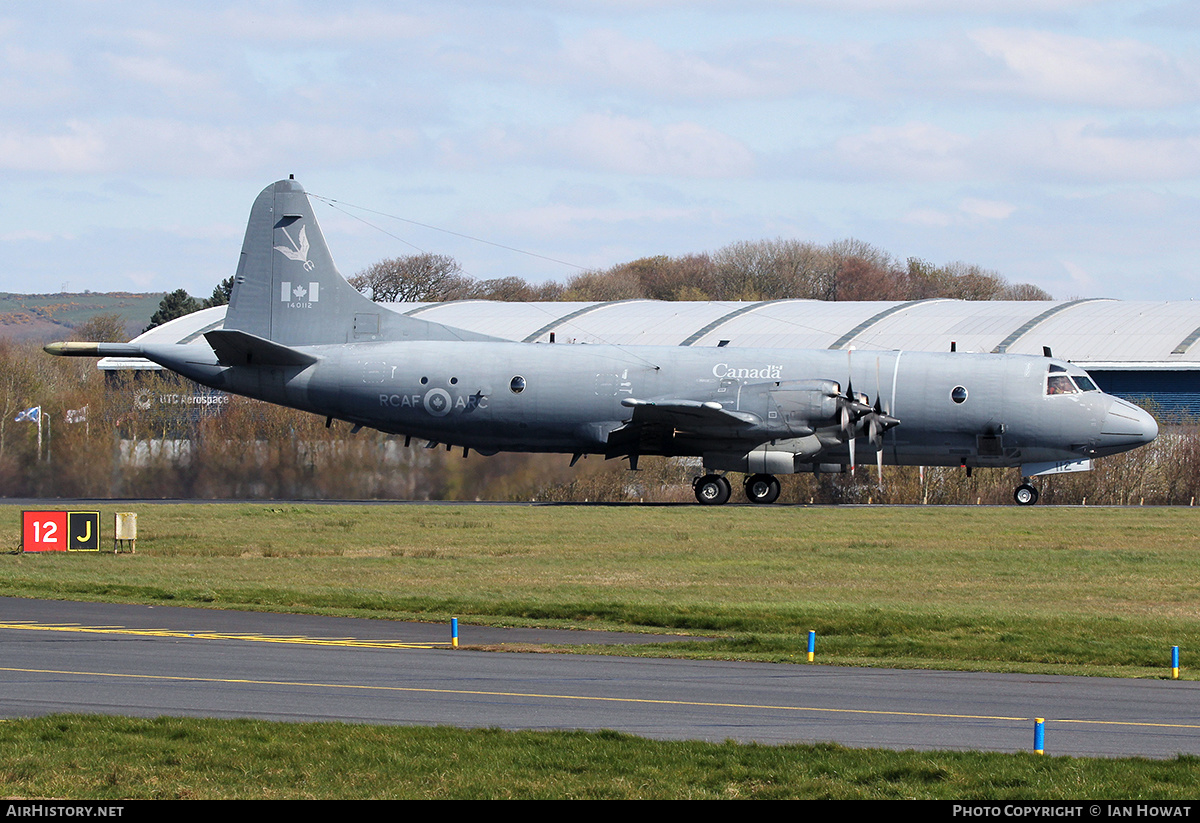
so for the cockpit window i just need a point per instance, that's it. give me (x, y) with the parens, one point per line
(1085, 383)
(1055, 367)
(1060, 384)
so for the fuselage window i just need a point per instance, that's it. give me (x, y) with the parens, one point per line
(1060, 384)
(517, 384)
(958, 394)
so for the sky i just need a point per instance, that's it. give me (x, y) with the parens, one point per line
(1056, 142)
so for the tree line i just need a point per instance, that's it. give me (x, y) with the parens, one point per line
(754, 270)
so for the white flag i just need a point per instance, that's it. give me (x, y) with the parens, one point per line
(77, 415)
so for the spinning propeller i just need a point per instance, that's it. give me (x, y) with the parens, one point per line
(859, 416)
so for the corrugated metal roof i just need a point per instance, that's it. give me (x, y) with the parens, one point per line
(1088, 331)
(1120, 330)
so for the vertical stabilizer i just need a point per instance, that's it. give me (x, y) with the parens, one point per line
(288, 290)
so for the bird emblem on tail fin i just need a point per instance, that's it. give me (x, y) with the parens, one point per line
(299, 251)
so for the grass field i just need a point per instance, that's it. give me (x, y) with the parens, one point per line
(1066, 590)
(172, 758)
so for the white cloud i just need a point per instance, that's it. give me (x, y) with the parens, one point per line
(143, 280)
(986, 209)
(882, 6)
(29, 235)
(34, 78)
(629, 146)
(288, 22)
(81, 148)
(1091, 151)
(132, 145)
(927, 218)
(1079, 278)
(616, 60)
(160, 73)
(913, 150)
(1063, 68)
(1083, 151)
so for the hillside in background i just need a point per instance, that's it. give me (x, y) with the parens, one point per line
(48, 317)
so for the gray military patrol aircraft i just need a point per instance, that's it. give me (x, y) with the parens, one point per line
(297, 334)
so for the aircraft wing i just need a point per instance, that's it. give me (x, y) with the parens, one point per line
(687, 414)
(658, 421)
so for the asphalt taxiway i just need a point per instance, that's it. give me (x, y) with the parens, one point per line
(59, 656)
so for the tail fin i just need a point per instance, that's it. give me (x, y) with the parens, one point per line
(288, 290)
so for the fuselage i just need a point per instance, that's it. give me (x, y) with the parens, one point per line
(954, 408)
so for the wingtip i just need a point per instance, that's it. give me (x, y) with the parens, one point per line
(72, 349)
(82, 349)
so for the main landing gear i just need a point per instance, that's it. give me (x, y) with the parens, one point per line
(1025, 495)
(714, 489)
(762, 488)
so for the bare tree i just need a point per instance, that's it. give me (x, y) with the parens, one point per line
(102, 328)
(1024, 291)
(620, 283)
(412, 279)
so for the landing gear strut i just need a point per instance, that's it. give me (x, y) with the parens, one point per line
(712, 489)
(1025, 495)
(762, 488)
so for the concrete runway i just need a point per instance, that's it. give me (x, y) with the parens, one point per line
(62, 656)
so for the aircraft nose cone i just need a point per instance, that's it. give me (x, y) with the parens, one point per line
(1126, 427)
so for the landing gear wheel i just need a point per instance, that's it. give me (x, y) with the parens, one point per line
(762, 488)
(712, 489)
(1025, 495)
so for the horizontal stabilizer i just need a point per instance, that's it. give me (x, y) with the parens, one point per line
(239, 348)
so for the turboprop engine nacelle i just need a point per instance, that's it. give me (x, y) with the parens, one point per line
(812, 402)
(778, 457)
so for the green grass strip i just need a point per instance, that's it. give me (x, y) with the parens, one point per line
(102, 758)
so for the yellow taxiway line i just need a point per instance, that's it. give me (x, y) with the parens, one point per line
(30, 625)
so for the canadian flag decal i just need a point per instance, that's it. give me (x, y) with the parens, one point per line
(299, 294)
